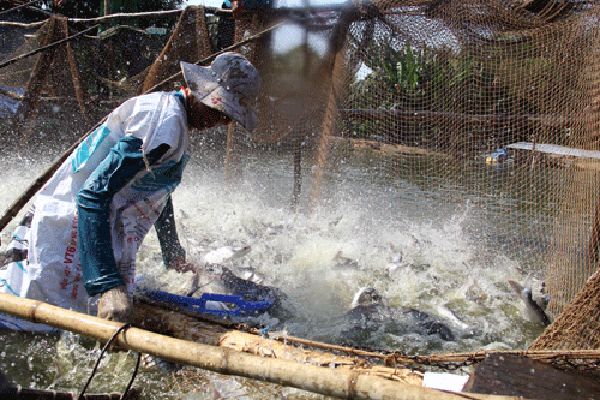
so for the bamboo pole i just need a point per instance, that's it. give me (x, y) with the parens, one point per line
(120, 16)
(18, 7)
(10, 94)
(48, 47)
(297, 173)
(20, 202)
(231, 160)
(170, 320)
(31, 25)
(345, 384)
(277, 346)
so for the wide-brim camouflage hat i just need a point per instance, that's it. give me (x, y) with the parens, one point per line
(230, 84)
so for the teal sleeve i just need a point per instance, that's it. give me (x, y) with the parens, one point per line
(124, 162)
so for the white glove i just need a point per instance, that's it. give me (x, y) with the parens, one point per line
(115, 305)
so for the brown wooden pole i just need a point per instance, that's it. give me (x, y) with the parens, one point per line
(27, 111)
(594, 242)
(188, 42)
(297, 172)
(336, 68)
(20, 202)
(75, 77)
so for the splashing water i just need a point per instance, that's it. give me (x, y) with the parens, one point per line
(371, 227)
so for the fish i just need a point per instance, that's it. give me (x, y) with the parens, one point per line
(396, 264)
(225, 254)
(251, 274)
(366, 296)
(394, 269)
(370, 313)
(221, 280)
(534, 310)
(449, 315)
(342, 261)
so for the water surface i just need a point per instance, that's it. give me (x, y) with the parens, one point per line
(462, 230)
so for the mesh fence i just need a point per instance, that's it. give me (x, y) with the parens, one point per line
(490, 106)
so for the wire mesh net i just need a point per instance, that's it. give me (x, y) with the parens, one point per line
(487, 106)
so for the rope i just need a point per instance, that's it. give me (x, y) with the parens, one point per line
(135, 371)
(574, 359)
(104, 349)
(18, 7)
(31, 53)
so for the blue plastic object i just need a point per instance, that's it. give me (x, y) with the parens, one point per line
(199, 304)
(498, 156)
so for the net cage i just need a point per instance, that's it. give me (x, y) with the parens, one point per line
(482, 110)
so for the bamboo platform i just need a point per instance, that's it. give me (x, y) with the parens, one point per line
(181, 326)
(239, 353)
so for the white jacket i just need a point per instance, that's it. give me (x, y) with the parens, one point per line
(52, 272)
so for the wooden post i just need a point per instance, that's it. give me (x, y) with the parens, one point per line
(57, 30)
(231, 156)
(254, 22)
(594, 242)
(336, 66)
(76, 78)
(28, 108)
(189, 42)
(297, 172)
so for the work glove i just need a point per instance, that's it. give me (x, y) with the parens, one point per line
(115, 305)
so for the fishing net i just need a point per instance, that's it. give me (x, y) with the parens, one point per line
(460, 81)
(495, 101)
(578, 327)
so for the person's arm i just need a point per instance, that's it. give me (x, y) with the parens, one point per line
(100, 272)
(173, 253)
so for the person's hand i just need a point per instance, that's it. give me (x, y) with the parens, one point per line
(181, 266)
(115, 305)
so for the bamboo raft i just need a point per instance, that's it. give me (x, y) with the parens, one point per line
(177, 336)
(232, 352)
